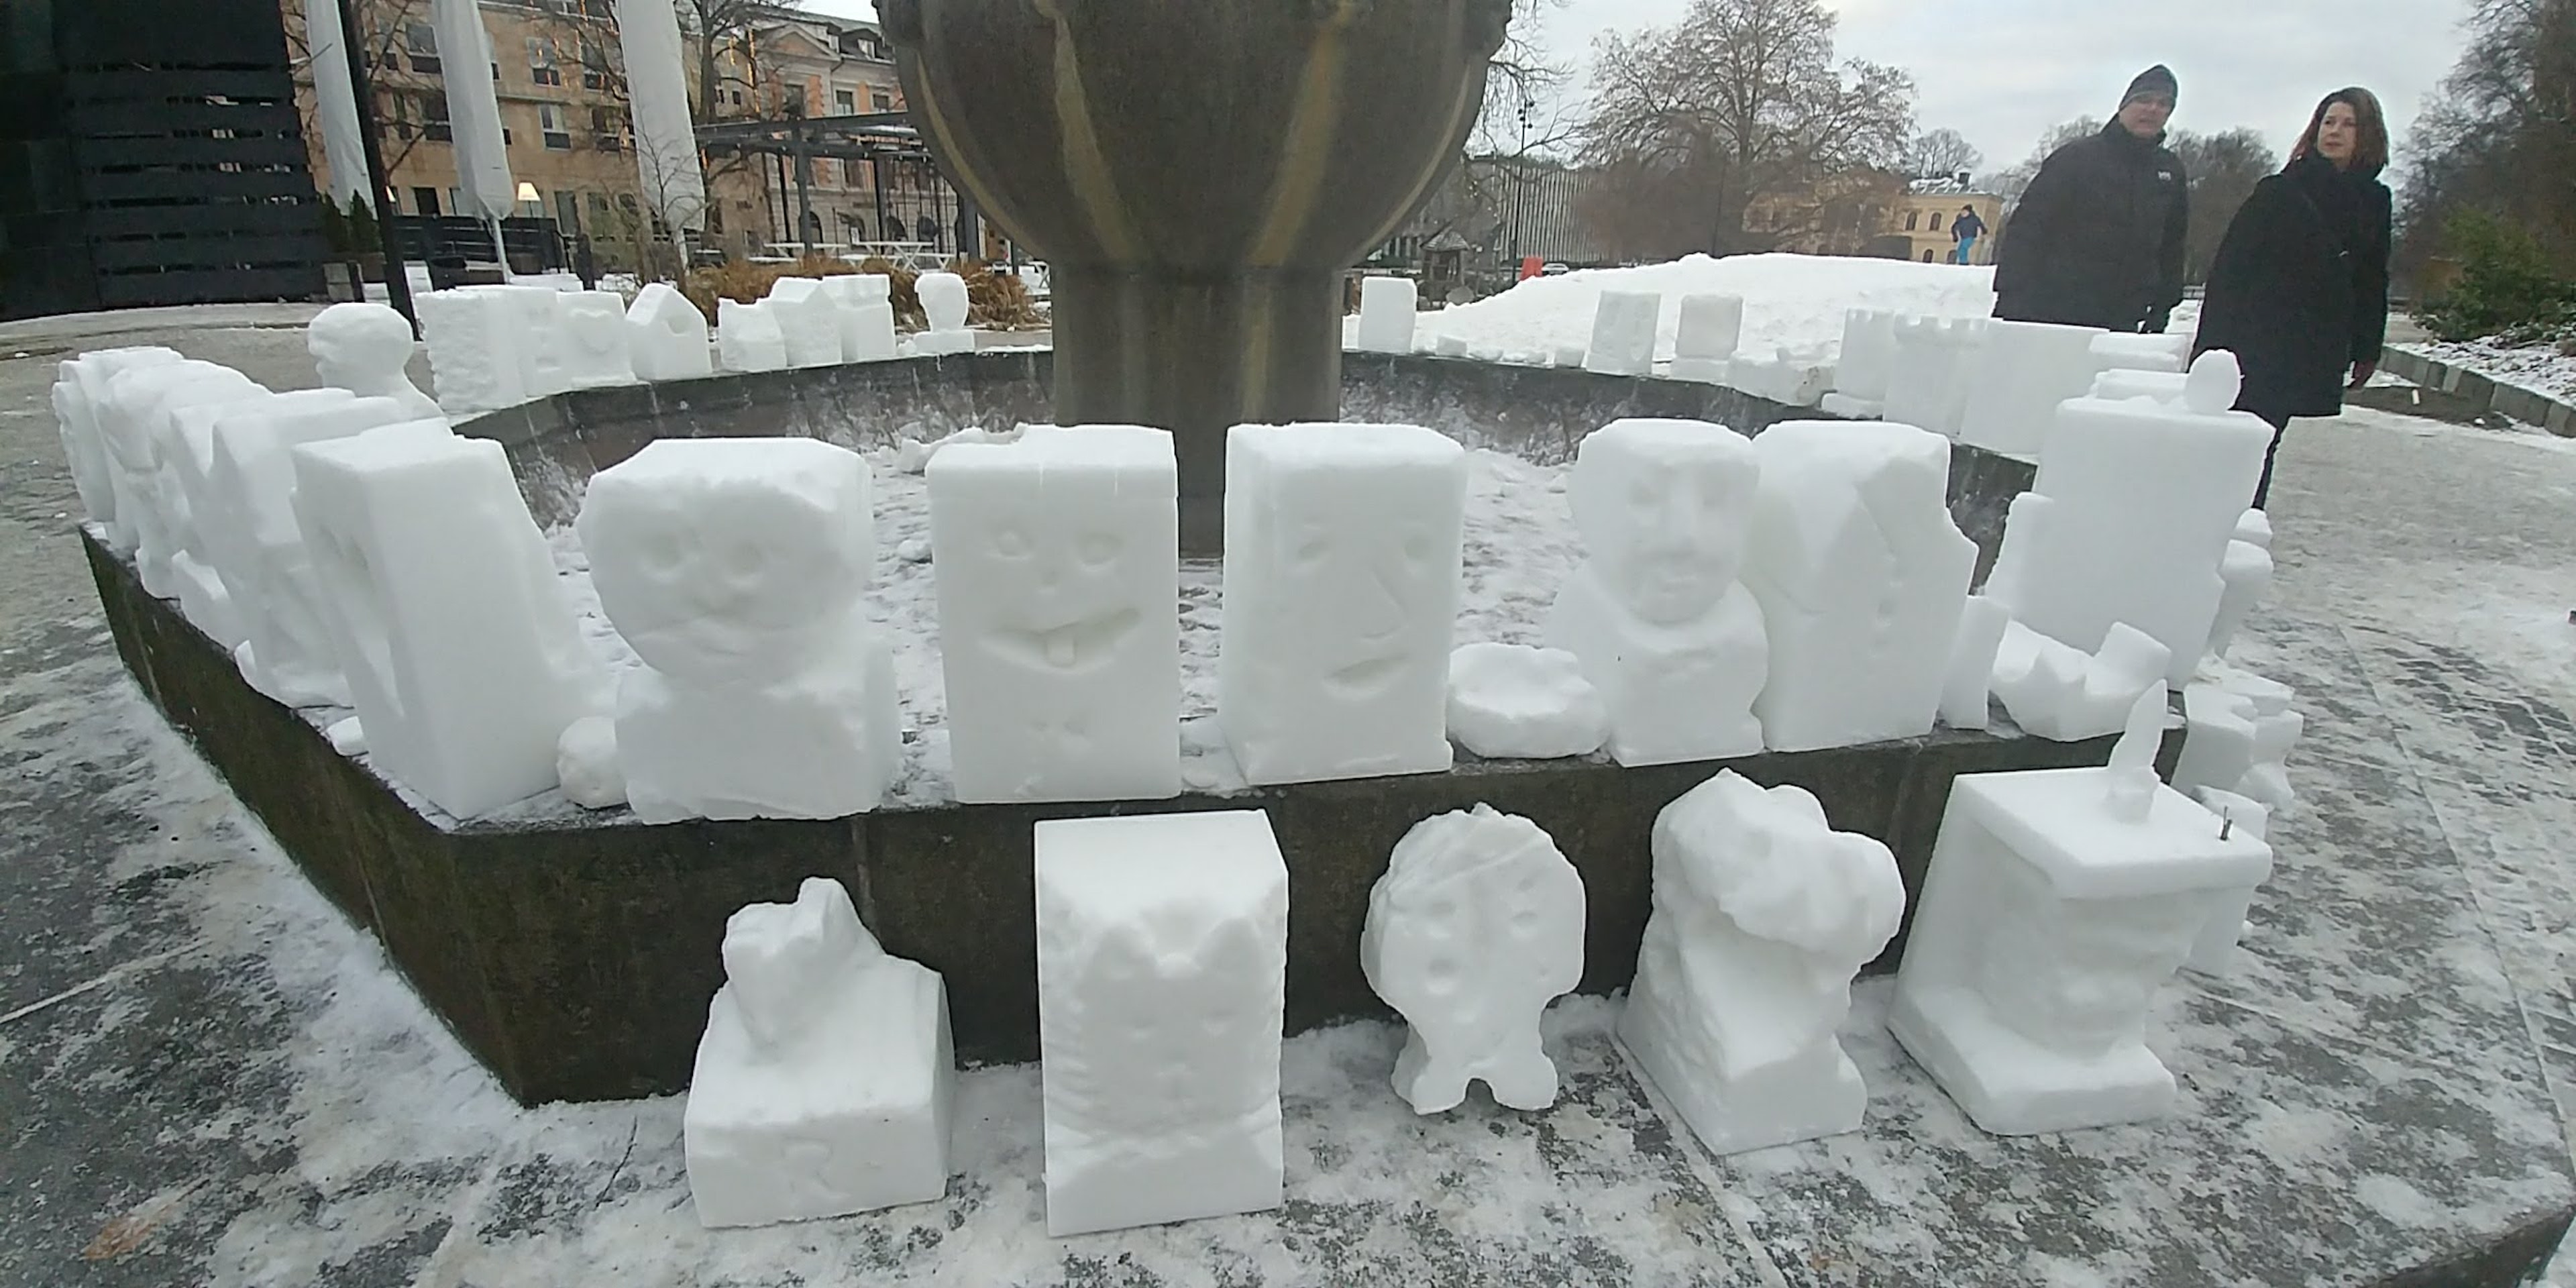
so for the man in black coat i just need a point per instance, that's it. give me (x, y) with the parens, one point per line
(2098, 237)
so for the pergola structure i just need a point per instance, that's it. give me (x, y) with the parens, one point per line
(879, 138)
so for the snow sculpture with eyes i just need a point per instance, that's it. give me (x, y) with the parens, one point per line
(734, 568)
(364, 349)
(1057, 576)
(1667, 633)
(1476, 926)
(1341, 586)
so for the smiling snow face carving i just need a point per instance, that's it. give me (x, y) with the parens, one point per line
(1341, 585)
(1059, 639)
(730, 561)
(1662, 506)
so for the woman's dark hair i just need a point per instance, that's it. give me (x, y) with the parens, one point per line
(2370, 131)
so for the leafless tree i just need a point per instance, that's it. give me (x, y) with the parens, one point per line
(2501, 134)
(2223, 168)
(1940, 154)
(1742, 105)
(2011, 181)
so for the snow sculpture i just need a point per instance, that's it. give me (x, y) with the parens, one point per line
(1475, 928)
(586, 763)
(825, 1081)
(2066, 695)
(944, 302)
(1762, 915)
(2024, 371)
(202, 543)
(440, 599)
(2213, 950)
(1341, 586)
(734, 567)
(1449, 346)
(850, 290)
(1623, 333)
(2058, 902)
(475, 349)
(1162, 983)
(79, 392)
(808, 320)
(1705, 340)
(1387, 308)
(1971, 679)
(364, 349)
(2156, 386)
(2238, 730)
(289, 655)
(912, 456)
(1927, 386)
(1673, 642)
(134, 425)
(2245, 575)
(866, 314)
(749, 338)
(1861, 576)
(594, 340)
(1507, 701)
(1794, 377)
(1867, 360)
(537, 330)
(1567, 355)
(667, 336)
(2120, 351)
(2130, 516)
(1057, 570)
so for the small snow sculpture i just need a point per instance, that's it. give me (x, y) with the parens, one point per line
(2058, 902)
(364, 349)
(2238, 730)
(1623, 333)
(2024, 371)
(2154, 386)
(1971, 680)
(586, 764)
(1793, 377)
(1449, 346)
(2065, 695)
(2246, 574)
(1861, 576)
(944, 303)
(1508, 701)
(1341, 587)
(2130, 517)
(824, 1083)
(749, 337)
(912, 456)
(2119, 351)
(1762, 915)
(476, 347)
(1673, 642)
(1162, 983)
(204, 529)
(666, 335)
(1387, 312)
(1476, 926)
(1928, 384)
(734, 568)
(595, 344)
(1867, 359)
(536, 334)
(1057, 570)
(866, 313)
(1709, 327)
(130, 422)
(808, 320)
(80, 390)
(2213, 951)
(462, 654)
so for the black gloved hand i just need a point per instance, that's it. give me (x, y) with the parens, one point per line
(2156, 321)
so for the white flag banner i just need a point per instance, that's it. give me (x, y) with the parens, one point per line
(657, 86)
(344, 149)
(473, 109)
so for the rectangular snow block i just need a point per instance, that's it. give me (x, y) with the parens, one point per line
(463, 656)
(2118, 351)
(749, 337)
(1623, 333)
(1388, 307)
(942, 343)
(2020, 376)
(537, 330)
(807, 319)
(1867, 358)
(1710, 326)
(666, 336)
(80, 386)
(1927, 384)
(851, 290)
(594, 340)
(475, 347)
(867, 330)
(1341, 587)
(1162, 987)
(1058, 568)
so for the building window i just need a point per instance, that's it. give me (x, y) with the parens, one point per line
(1936, 221)
(594, 66)
(879, 100)
(606, 129)
(424, 201)
(541, 62)
(1913, 220)
(823, 171)
(1927, 257)
(433, 115)
(568, 209)
(550, 126)
(421, 40)
(845, 101)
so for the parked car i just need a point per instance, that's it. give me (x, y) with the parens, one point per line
(1552, 269)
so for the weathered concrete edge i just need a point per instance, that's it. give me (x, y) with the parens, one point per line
(2530, 406)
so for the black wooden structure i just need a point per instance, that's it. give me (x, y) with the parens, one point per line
(150, 154)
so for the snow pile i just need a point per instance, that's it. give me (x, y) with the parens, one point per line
(2541, 368)
(1794, 300)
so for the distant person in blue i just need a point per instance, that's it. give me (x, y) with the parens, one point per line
(1965, 230)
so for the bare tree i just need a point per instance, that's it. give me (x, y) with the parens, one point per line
(2011, 181)
(1940, 154)
(2224, 168)
(1742, 105)
(2501, 134)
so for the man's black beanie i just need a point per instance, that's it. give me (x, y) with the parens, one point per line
(2158, 79)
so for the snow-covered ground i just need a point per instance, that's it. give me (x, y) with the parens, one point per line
(1792, 300)
(2541, 368)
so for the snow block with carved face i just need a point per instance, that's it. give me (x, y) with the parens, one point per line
(1057, 575)
(364, 348)
(1476, 926)
(824, 1083)
(1667, 634)
(2049, 919)
(131, 420)
(1341, 587)
(1162, 984)
(734, 567)
(204, 539)
(1762, 915)
(80, 387)
(1861, 576)
(463, 656)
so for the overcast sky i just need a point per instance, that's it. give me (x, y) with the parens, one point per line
(2002, 72)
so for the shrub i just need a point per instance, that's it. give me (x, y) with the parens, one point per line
(2505, 289)
(335, 227)
(363, 235)
(992, 299)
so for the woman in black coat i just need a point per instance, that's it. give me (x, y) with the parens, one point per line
(2299, 290)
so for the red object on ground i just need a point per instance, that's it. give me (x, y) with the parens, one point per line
(1530, 265)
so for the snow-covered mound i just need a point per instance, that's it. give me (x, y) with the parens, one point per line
(1794, 300)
